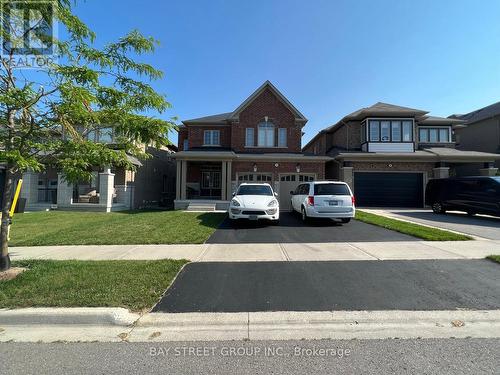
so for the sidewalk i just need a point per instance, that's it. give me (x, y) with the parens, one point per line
(403, 250)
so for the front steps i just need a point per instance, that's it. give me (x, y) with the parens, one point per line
(201, 206)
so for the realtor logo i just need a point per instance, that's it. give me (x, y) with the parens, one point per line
(27, 32)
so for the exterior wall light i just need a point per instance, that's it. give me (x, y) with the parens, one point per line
(297, 167)
(255, 167)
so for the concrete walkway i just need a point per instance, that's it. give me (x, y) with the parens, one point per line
(404, 250)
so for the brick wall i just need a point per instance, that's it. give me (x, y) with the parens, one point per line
(396, 166)
(183, 133)
(196, 135)
(266, 104)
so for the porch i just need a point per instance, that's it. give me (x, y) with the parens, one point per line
(107, 191)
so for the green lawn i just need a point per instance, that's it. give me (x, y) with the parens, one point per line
(494, 258)
(420, 231)
(115, 228)
(136, 285)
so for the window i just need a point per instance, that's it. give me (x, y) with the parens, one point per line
(390, 131)
(396, 131)
(444, 135)
(423, 135)
(434, 135)
(385, 131)
(254, 190)
(374, 131)
(185, 145)
(282, 137)
(211, 138)
(331, 189)
(249, 137)
(407, 131)
(105, 135)
(266, 134)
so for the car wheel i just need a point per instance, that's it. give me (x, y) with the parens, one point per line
(470, 213)
(275, 222)
(345, 220)
(438, 208)
(304, 214)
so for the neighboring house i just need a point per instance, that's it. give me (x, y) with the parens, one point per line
(260, 141)
(111, 189)
(482, 130)
(387, 153)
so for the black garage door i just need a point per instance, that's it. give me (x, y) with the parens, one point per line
(380, 189)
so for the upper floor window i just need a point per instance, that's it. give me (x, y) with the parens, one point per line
(249, 137)
(434, 135)
(211, 138)
(185, 145)
(266, 134)
(390, 131)
(282, 137)
(105, 135)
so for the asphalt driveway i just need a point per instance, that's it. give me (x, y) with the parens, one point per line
(291, 229)
(478, 225)
(327, 286)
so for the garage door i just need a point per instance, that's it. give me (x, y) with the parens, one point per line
(289, 182)
(388, 189)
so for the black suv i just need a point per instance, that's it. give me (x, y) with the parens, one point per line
(474, 195)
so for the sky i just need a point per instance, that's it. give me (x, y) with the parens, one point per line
(329, 58)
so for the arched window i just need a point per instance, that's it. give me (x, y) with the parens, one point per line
(266, 134)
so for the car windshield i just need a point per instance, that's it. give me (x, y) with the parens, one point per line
(496, 178)
(254, 190)
(331, 189)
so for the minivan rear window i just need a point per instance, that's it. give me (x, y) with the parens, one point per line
(331, 189)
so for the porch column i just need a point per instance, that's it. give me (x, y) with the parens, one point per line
(64, 192)
(441, 172)
(224, 187)
(229, 181)
(183, 178)
(488, 170)
(178, 180)
(346, 175)
(29, 189)
(106, 188)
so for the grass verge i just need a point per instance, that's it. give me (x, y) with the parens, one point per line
(494, 258)
(115, 228)
(415, 230)
(136, 285)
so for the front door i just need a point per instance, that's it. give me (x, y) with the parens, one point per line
(210, 184)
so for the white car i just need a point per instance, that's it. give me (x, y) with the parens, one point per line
(254, 202)
(324, 199)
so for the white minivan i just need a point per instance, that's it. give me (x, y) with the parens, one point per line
(324, 199)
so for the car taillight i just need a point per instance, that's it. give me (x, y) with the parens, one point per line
(310, 200)
(353, 199)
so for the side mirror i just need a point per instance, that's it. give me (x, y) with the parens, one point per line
(233, 194)
(276, 194)
(292, 192)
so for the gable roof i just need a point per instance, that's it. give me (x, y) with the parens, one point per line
(479, 114)
(268, 85)
(223, 118)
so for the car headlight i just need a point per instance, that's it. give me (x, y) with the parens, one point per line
(235, 203)
(273, 203)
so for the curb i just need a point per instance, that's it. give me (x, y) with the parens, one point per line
(316, 325)
(102, 316)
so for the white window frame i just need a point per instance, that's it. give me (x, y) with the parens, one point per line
(250, 137)
(282, 137)
(438, 128)
(268, 130)
(400, 120)
(209, 135)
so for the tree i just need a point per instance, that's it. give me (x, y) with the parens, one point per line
(46, 114)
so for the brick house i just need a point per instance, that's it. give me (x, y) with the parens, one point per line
(387, 153)
(260, 141)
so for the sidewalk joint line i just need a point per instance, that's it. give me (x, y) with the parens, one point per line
(203, 252)
(363, 251)
(128, 252)
(283, 252)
